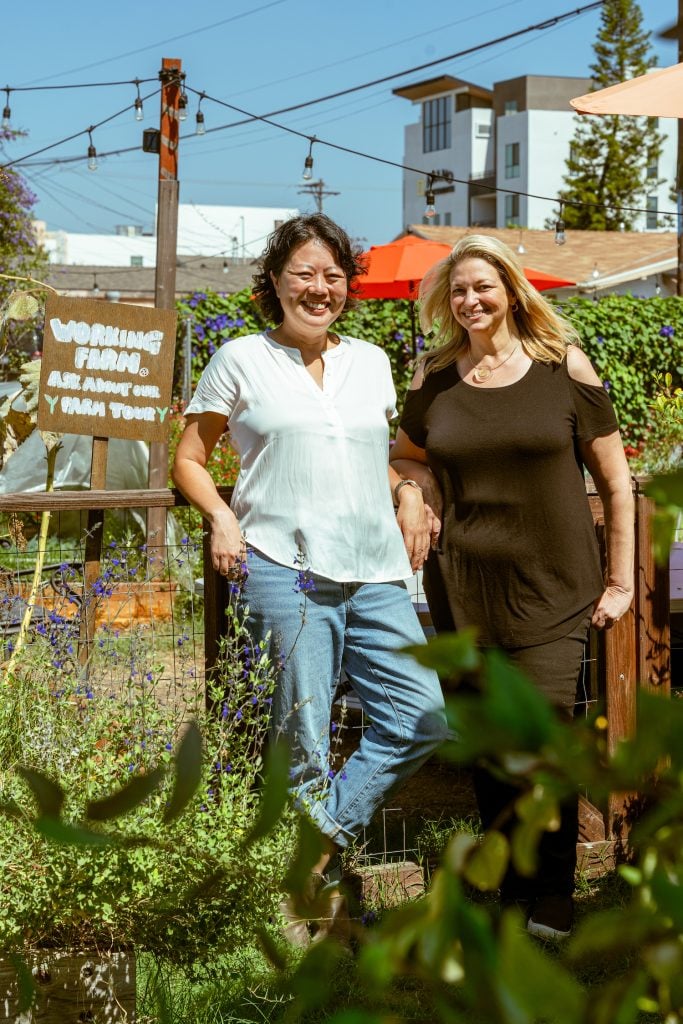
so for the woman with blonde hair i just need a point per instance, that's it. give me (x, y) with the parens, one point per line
(499, 423)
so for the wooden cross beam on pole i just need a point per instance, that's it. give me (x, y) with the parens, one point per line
(167, 237)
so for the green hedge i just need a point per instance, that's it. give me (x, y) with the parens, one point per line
(628, 339)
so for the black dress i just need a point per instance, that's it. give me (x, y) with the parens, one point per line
(518, 556)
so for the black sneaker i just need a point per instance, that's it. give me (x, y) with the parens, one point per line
(552, 918)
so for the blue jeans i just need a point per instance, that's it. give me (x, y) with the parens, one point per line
(319, 627)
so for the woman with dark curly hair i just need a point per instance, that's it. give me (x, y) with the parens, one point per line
(307, 410)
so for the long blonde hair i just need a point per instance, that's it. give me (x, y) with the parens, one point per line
(544, 334)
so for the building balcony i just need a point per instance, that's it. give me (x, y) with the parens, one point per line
(483, 184)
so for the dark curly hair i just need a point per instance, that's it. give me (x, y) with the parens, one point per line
(289, 236)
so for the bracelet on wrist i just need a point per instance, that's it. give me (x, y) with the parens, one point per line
(404, 483)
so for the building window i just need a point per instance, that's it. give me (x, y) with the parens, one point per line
(483, 131)
(651, 216)
(136, 261)
(447, 219)
(436, 125)
(512, 160)
(652, 165)
(510, 107)
(511, 211)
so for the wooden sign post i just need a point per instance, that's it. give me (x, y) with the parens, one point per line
(106, 371)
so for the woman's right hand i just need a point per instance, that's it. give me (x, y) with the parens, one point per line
(228, 546)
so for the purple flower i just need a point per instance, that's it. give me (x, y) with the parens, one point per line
(667, 331)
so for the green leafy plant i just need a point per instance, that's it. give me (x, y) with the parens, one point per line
(630, 341)
(122, 853)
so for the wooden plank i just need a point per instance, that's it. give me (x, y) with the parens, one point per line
(652, 607)
(93, 549)
(620, 700)
(72, 987)
(595, 859)
(591, 822)
(66, 501)
(216, 595)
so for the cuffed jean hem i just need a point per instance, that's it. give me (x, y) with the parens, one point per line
(339, 835)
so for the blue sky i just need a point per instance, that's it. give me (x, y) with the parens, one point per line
(260, 55)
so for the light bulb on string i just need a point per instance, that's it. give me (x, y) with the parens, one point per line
(182, 101)
(95, 286)
(430, 209)
(560, 238)
(520, 248)
(139, 116)
(226, 267)
(596, 273)
(308, 162)
(92, 153)
(6, 113)
(201, 130)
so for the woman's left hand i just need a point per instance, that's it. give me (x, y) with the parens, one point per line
(610, 606)
(418, 525)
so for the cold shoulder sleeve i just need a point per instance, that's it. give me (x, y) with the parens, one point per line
(413, 417)
(595, 416)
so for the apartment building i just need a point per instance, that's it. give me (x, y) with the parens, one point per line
(506, 149)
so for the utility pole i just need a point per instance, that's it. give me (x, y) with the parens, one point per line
(676, 32)
(164, 281)
(318, 190)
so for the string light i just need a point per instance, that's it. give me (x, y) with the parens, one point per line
(138, 103)
(92, 152)
(226, 266)
(430, 209)
(559, 228)
(95, 286)
(182, 101)
(7, 113)
(201, 130)
(596, 273)
(520, 248)
(308, 162)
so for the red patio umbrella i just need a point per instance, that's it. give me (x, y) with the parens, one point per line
(396, 269)
(542, 282)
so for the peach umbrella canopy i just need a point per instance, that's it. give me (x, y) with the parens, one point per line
(657, 94)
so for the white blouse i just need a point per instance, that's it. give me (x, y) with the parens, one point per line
(313, 486)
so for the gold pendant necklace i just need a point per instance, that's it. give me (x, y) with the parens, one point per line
(483, 372)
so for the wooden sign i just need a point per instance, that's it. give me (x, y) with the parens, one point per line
(107, 369)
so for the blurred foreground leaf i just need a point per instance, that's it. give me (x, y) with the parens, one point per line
(450, 654)
(275, 792)
(188, 772)
(71, 835)
(488, 862)
(125, 799)
(49, 794)
(666, 490)
(26, 985)
(508, 713)
(308, 851)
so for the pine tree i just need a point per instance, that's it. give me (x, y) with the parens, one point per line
(609, 156)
